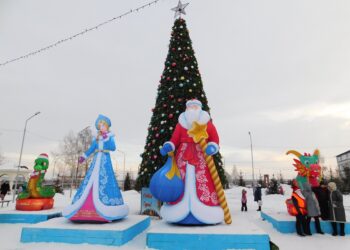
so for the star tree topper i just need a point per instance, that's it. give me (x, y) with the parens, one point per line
(180, 9)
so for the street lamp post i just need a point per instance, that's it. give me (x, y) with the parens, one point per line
(251, 151)
(20, 155)
(53, 170)
(74, 176)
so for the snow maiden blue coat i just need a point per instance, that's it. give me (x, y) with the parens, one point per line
(98, 197)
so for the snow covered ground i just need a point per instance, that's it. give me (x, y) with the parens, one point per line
(10, 233)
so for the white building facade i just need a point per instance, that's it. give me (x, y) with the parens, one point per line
(343, 161)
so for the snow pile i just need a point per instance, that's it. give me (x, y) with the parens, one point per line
(275, 203)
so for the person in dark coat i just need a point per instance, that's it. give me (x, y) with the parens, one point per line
(322, 195)
(5, 187)
(336, 209)
(300, 206)
(257, 196)
(313, 208)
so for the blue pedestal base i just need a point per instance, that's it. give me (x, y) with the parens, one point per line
(64, 231)
(285, 223)
(234, 236)
(28, 217)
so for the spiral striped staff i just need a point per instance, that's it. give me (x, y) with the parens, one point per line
(199, 134)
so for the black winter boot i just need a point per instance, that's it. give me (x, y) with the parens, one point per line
(307, 230)
(335, 230)
(299, 225)
(318, 225)
(342, 229)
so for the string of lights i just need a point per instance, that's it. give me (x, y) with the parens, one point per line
(35, 52)
(6, 130)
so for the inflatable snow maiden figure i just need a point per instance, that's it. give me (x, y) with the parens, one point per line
(308, 168)
(98, 197)
(200, 201)
(35, 196)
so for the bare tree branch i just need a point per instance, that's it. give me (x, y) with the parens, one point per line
(73, 146)
(2, 159)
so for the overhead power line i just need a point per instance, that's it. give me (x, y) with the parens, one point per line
(29, 132)
(52, 45)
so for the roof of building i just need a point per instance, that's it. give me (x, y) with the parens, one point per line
(343, 153)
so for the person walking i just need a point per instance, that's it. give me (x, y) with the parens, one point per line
(257, 196)
(5, 187)
(313, 209)
(244, 200)
(300, 210)
(336, 209)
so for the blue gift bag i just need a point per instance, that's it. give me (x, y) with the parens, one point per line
(166, 184)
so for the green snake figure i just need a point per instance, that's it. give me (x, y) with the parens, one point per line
(35, 188)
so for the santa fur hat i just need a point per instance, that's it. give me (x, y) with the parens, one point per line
(193, 102)
(43, 156)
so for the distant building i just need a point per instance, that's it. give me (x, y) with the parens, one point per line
(343, 161)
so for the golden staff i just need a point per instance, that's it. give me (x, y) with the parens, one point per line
(199, 134)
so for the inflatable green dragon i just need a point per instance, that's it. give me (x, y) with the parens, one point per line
(308, 168)
(34, 188)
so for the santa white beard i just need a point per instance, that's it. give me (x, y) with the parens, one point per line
(189, 116)
(192, 115)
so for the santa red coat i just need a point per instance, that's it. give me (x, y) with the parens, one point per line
(189, 152)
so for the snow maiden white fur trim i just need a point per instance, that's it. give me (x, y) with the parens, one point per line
(191, 204)
(107, 212)
(100, 146)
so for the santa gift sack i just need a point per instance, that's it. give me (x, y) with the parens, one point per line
(166, 184)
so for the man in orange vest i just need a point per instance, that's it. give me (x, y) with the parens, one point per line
(301, 212)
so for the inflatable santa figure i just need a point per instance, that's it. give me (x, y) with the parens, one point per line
(199, 203)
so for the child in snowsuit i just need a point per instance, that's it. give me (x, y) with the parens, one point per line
(257, 196)
(244, 200)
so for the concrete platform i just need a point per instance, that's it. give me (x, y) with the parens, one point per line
(285, 223)
(65, 231)
(10, 215)
(241, 234)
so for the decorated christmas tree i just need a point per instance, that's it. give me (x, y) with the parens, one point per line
(180, 81)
